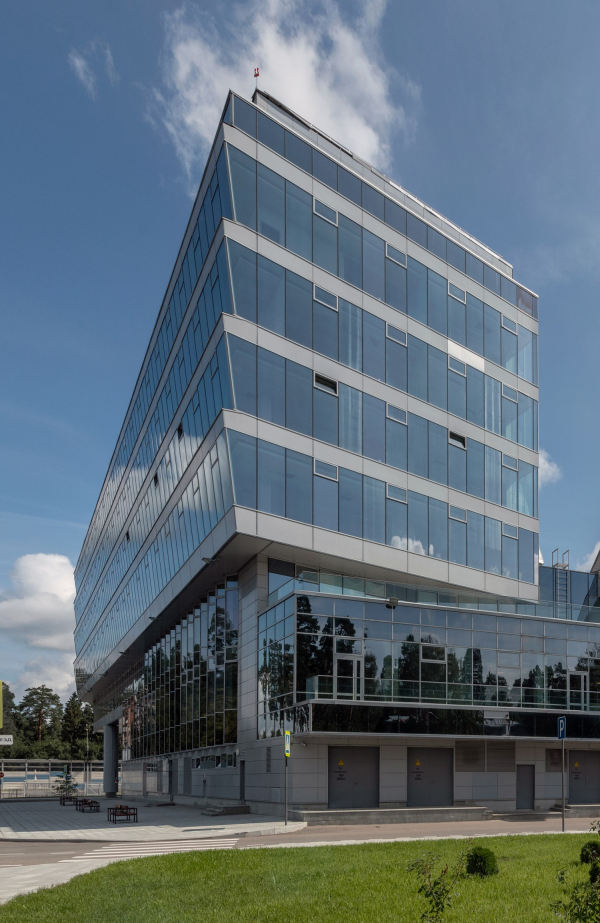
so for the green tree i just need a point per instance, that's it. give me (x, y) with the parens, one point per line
(73, 727)
(12, 723)
(42, 712)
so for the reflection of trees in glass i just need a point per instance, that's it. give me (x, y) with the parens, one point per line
(314, 655)
(407, 664)
(345, 628)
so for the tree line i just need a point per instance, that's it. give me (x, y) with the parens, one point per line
(44, 728)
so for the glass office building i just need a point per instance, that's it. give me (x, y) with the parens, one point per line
(321, 513)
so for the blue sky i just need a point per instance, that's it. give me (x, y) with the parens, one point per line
(487, 111)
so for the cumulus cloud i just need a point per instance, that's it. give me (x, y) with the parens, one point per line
(56, 672)
(549, 471)
(588, 561)
(38, 610)
(316, 59)
(84, 63)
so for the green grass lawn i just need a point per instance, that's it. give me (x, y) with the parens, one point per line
(308, 885)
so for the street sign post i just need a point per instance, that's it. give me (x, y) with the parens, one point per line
(562, 729)
(287, 737)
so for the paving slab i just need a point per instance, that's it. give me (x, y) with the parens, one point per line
(54, 822)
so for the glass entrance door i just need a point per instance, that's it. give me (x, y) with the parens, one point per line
(348, 677)
(578, 688)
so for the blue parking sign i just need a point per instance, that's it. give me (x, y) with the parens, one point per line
(562, 727)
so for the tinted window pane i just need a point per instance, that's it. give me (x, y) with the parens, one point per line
(325, 244)
(373, 510)
(325, 423)
(373, 346)
(493, 475)
(527, 421)
(508, 290)
(416, 230)
(298, 152)
(492, 404)
(510, 554)
(325, 330)
(298, 486)
(475, 541)
(457, 394)
(438, 453)
(417, 523)
(350, 332)
(373, 265)
(350, 419)
(271, 205)
(437, 312)
(396, 444)
(526, 488)
(396, 524)
(417, 445)
(373, 201)
(242, 450)
(396, 368)
(436, 243)
(509, 419)
(493, 546)
(349, 185)
(458, 541)
(491, 279)
(438, 529)
(350, 502)
(437, 375)
(395, 285)
(417, 368)
(526, 556)
(324, 169)
(492, 319)
(509, 350)
(298, 221)
(456, 255)
(373, 428)
(474, 324)
(457, 321)
(243, 186)
(271, 387)
(271, 478)
(475, 399)
(457, 468)
(325, 512)
(298, 309)
(243, 372)
(350, 251)
(271, 295)
(395, 216)
(244, 116)
(271, 134)
(299, 398)
(417, 290)
(243, 277)
(475, 468)
(525, 301)
(474, 268)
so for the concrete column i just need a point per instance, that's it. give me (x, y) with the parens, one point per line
(111, 759)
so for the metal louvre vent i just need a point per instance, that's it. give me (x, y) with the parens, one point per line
(500, 756)
(469, 756)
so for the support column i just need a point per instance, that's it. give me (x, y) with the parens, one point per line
(111, 759)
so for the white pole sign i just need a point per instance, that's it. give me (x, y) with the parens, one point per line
(6, 740)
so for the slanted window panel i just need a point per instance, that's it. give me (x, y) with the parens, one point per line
(242, 170)
(456, 255)
(491, 279)
(474, 268)
(324, 169)
(395, 216)
(349, 186)
(373, 201)
(244, 116)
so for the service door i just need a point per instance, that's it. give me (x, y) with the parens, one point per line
(353, 777)
(525, 788)
(430, 777)
(584, 777)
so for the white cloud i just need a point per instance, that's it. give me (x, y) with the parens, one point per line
(55, 672)
(83, 71)
(549, 471)
(589, 560)
(82, 65)
(38, 611)
(317, 61)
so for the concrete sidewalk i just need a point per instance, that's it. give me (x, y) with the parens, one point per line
(52, 822)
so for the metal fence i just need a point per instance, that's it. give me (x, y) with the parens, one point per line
(39, 778)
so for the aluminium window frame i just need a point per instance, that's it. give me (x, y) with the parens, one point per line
(454, 512)
(322, 386)
(452, 294)
(462, 371)
(320, 300)
(403, 490)
(316, 202)
(391, 336)
(389, 416)
(319, 474)
(392, 257)
(506, 526)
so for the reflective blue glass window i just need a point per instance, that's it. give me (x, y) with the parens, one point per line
(509, 419)
(492, 404)
(396, 365)
(475, 468)
(350, 419)
(325, 513)
(299, 398)
(475, 396)
(457, 321)
(395, 216)
(373, 346)
(298, 309)
(436, 243)
(493, 546)
(350, 332)
(417, 523)
(271, 478)
(243, 372)
(373, 428)
(373, 510)
(242, 170)
(271, 295)
(508, 290)
(298, 221)
(438, 529)
(437, 374)
(349, 186)
(475, 324)
(510, 557)
(325, 416)
(350, 251)
(325, 244)
(491, 279)
(458, 541)
(417, 368)
(324, 169)
(437, 302)
(373, 201)
(325, 330)
(527, 554)
(527, 355)
(395, 285)
(509, 350)
(243, 277)
(417, 445)
(416, 230)
(244, 116)
(298, 486)
(526, 489)
(396, 444)
(456, 255)
(474, 268)
(493, 475)
(527, 428)
(438, 453)
(457, 394)
(509, 488)
(242, 450)
(475, 541)
(298, 152)
(492, 334)
(350, 502)
(271, 134)
(457, 468)
(271, 387)
(417, 290)
(373, 265)
(396, 524)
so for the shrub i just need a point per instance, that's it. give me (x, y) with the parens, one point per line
(595, 873)
(481, 861)
(590, 851)
(438, 887)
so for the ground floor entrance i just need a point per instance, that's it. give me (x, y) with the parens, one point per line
(584, 777)
(430, 777)
(353, 777)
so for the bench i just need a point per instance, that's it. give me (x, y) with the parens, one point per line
(68, 799)
(86, 804)
(121, 812)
